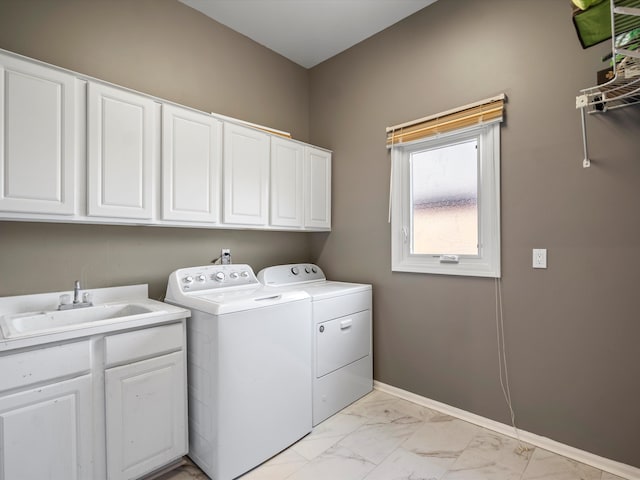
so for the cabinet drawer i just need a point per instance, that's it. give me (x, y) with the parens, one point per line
(33, 366)
(342, 341)
(131, 346)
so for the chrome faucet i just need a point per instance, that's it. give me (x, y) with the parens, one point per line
(79, 300)
(76, 292)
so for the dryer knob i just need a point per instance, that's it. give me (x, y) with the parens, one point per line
(188, 279)
(234, 275)
(314, 269)
(307, 269)
(219, 277)
(295, 270)
(244, 274)
(200, 278)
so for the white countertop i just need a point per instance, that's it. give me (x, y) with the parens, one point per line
(159, 313)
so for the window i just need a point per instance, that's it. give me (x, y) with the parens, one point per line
(445, 215)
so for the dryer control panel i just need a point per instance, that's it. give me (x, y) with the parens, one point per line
(291, 274)
(212, 277)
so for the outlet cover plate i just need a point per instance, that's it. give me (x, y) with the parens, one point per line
(539, 258)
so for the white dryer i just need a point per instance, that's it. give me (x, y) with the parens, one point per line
(249, 367)
(342, 347)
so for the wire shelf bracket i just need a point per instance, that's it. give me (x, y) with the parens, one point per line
(623, 89)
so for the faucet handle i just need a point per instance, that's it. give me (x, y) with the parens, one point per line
(86, 297)
(65, 299)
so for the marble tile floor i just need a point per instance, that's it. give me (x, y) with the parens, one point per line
(383, 437)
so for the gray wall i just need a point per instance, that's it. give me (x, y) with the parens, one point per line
(572, 330)
(163, 48)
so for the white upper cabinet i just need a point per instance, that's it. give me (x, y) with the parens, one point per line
(287, 202)
(75, 149)
(317, 165)
(191, 165)
(38, 132)
(246, 175)
(122, 135)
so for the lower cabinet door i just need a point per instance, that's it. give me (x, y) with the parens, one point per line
(47, 432)
(146, 413)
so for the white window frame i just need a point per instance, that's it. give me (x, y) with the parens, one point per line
(487, 262)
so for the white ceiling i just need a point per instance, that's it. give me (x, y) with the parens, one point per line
(308, 31)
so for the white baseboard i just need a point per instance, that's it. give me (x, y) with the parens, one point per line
(616, 468)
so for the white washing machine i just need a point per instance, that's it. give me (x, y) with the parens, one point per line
(342, 355)
(249, 367)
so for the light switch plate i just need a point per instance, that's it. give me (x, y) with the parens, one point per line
(539, 258)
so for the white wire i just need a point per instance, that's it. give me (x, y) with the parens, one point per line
(502, 362)
(391, 156)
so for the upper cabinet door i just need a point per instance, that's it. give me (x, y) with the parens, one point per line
(37, 138)
(191, 165)
(122, 135)
(246, 175)
(318, 188)
(287, 203)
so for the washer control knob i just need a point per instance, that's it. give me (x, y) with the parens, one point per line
(234, 275)
(219, 277)
(307, 269)
(188, 279)
(200, 278)
(244, 274)
(295, 270)
(314, 269)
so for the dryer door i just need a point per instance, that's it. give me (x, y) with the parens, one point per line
(342, 341)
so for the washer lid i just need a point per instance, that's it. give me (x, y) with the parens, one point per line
(237, 301)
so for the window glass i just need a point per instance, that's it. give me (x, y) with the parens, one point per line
(444, 200)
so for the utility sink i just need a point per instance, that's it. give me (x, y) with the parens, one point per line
(42, 317)
(33, 323)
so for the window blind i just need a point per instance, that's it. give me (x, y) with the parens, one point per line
(484, 111)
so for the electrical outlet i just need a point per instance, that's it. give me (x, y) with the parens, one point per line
(539, 258)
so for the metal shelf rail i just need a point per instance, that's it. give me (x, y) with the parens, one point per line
(624, 88)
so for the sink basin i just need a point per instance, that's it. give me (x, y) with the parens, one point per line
(35, 323)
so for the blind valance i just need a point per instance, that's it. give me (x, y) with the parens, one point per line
(484, 111)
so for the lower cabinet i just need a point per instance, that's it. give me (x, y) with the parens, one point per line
(145, 400)
(47, 432)
(145, 414)
(107, 407)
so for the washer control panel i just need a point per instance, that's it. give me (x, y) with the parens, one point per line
(291, 274)
(210, 277)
